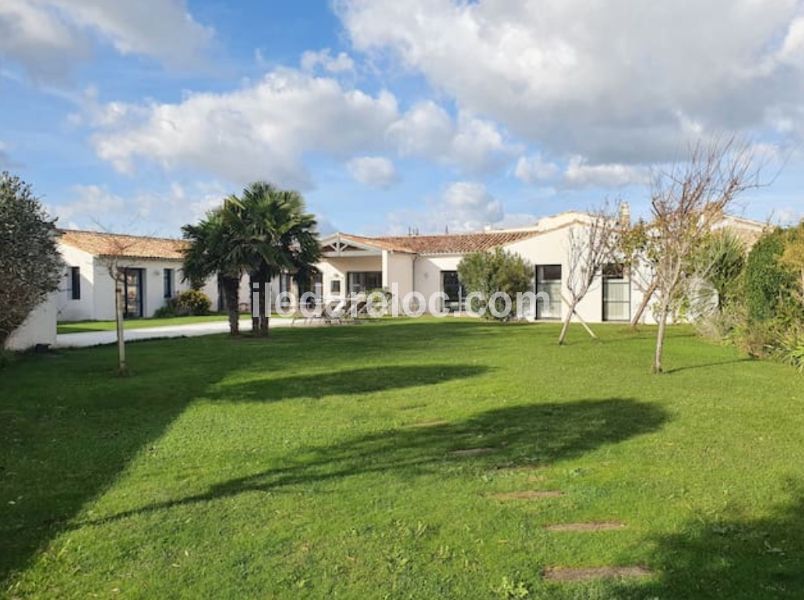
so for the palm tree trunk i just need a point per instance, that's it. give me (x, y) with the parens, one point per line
(230, 290)
(260, 322)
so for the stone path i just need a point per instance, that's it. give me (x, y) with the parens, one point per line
(587, 573)
(568, 574)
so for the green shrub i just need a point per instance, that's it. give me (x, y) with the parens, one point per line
(790, 348)
(192, 302)
(768, 286)
(720, 262)
(497, 271)
(166, 311)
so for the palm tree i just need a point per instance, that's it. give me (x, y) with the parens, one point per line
(210, 252)
(271, 234)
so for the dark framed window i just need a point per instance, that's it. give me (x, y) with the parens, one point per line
(616, 293)
(548, 281)
(133, 292)
(454, 290)
(363, 281)
(75, 283)
(335, 286)
(168, 279)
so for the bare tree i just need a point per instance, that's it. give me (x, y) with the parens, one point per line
(117, 261)
(590, 247)
(636, 249)
(686, 201)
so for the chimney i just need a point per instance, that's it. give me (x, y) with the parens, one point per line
(625, 214)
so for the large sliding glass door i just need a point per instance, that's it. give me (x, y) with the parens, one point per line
(548, 282)
(132, 292)
(361, 282)
(616, 294)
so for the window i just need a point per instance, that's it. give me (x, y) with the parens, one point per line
(454, 290)
(363, 281)
(616, 293)
(75, 283)
(335, 287)
(548, 282)
(168, 282)
(132, 292)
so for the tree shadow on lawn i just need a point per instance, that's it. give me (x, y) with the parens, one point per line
(721, 363)
(512, 436)
(353, 382)
(735, 559)
(62, 446)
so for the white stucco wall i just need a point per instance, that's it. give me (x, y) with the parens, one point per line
(552, 248)
(337, 267)
(38, 328)
(83, 308)
(397, 274)
(97, 286)
(152, 284)
(427, 272)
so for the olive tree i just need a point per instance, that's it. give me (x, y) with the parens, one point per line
(487, 273)
(30, 264)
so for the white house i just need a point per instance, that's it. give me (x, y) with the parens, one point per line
(153, 275)
(354, 264)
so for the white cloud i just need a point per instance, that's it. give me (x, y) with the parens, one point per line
(597, 79)
(533, 169)
(261, 131)
(463, 206)
(92, 204)
(265, 130)
(341, 63)
(96, 207)
(374, 171)
(474, 145)
(47, 37)
(581, 174)
(470, 205)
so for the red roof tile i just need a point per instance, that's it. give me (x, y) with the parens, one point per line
(443, 244)
(115, 244)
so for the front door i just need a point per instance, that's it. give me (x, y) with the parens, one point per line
(452, 288)
(133, 293)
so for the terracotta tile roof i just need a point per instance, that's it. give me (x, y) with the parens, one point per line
(116, 244)
(443, 244)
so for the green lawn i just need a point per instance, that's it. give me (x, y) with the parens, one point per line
(320, 464)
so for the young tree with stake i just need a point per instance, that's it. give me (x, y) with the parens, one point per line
(686, 202)
(590, 247)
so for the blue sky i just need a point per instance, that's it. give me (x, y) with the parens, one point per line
(386, 115)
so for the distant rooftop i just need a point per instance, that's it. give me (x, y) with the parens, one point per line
(115, 244)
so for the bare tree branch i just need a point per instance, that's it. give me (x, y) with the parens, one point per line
(687, 200)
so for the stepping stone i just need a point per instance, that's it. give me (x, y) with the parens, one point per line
(472, 451)
(593, 526)
(587, 573)
(423, 424)
(529, 495)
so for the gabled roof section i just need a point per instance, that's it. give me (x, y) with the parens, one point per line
(438, 244)
(116, 244)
